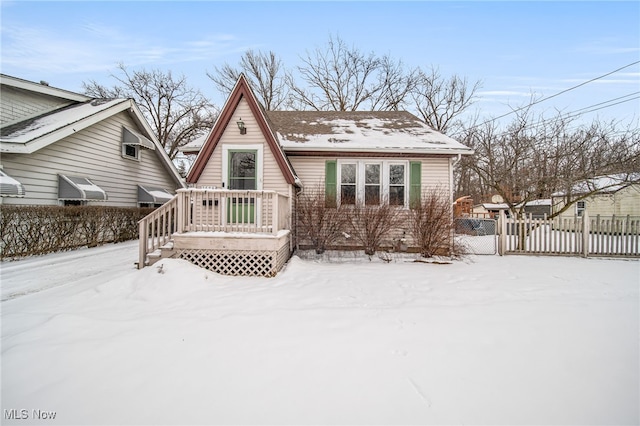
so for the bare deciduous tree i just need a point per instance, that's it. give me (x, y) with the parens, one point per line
(440, 101)
(265, 74)
(395, 85)
(340, 78)
(536, 157)
(177, 113)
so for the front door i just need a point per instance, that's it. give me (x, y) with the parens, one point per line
(242, 176)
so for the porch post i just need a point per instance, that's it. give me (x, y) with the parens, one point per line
(275, 213)
(142, 243)
(180, 208)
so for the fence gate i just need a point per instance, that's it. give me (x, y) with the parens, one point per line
(476, 235)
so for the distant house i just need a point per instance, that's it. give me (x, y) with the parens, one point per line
(614, 195)
(254, 164)
(537, 209)
(63, 148)
(489, 210)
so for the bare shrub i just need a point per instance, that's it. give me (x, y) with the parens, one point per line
(318, 221)
(370, 225)
(431, 224)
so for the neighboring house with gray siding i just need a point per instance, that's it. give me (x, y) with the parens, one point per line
(62, 148)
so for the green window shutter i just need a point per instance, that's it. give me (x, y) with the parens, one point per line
(330, 182)
(415, 182)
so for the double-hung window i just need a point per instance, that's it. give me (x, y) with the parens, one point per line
(348, 183)
(372, 183)
(397, 187)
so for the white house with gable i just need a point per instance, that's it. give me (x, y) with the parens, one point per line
(254, 164)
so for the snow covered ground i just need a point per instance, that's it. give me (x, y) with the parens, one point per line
(488, 340)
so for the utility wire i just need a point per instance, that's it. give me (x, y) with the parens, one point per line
(606, 102)
(588, 109)
(579, 112)
(557, 94)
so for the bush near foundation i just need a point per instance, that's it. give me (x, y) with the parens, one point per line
(431, 225)
(319, 223)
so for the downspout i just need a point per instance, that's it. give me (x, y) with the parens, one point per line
(452, 162)
(297, 190)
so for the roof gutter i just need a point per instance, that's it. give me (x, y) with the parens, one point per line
(447, 151)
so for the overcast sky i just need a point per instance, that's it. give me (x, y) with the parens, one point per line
(516, 49)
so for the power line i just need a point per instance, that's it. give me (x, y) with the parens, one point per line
(591, 108)
(557, 94)
(573, 114)
(606, 102)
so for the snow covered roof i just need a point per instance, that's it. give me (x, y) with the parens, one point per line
(42, 87)
(495, 206)
(195, 145)
(380, 131)
(540, 202)
(32, 134)
(603, 184)
(16, 137)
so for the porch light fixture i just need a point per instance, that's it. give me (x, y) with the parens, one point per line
(243, 130)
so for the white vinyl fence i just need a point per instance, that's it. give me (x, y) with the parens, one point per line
(580, 236)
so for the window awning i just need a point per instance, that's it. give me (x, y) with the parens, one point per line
(151, 195)
(131, 137)
(79, 188)
(9, 187)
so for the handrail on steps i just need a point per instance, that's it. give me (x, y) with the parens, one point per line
(204, 209)
(156, 228)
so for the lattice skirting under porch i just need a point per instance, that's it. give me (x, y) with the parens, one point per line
(238, 262)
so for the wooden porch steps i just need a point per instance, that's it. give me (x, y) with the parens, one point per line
(164, 252)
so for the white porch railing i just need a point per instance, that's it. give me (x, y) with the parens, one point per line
(213, 210)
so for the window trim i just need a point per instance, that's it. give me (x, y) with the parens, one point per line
(580, 209)
(227, 148)
(385, 176)
(131, 157)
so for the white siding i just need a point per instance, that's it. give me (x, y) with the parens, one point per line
(435, 175)
(95, 153)
(20, 105)
(435, 171)
(273, 178)
(310, 170)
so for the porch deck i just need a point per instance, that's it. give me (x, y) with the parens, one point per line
(229, 232)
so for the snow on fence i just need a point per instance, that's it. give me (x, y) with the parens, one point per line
(583, 236)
